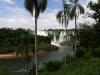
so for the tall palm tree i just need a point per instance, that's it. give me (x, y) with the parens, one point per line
(75, 9)
(25, 48)
(39, 6)
(63, 17)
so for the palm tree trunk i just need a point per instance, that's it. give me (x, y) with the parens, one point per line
(75, 31)
(36, 63)
(66, 24)
(27, 68)
(75, 23)
(66, 45)
(65, 30)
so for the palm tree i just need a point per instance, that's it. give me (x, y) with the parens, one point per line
(63, 17)
(39, 6)
(75, 10)
(25, 48)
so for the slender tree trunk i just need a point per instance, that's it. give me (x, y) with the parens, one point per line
(66, 45)
(36, 63)
(75, 23)
(27, 68)
(65, 30)
(75, 31)
(66, 24)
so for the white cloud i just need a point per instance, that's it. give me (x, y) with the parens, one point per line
(47, 20)
(8, 1)
(21, 19)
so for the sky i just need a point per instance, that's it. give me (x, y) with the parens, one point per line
(14, 15)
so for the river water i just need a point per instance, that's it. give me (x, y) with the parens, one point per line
(19, 64)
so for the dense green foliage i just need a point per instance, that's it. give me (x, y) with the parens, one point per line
(5, 72)
(11, 40)
(50, 66)
(22, 40)
(88, 36)
(96, 8)
(53, 66)
(88, 42)
(81, 66)
(85, 40)
(42, 39)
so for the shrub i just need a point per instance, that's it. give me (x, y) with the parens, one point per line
(53, 66)
(97, 52)
(80, 52)
(32, 70)
(69, 59)
(5, 72)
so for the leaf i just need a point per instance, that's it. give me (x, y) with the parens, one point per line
(38, 5)
(43, 5)
(29, 5)
(81, 9)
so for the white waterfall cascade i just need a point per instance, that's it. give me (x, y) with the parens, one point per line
(54, 40)
(42, 33)
(57, 42)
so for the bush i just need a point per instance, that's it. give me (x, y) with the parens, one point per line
(5, 72)
(32, 70)
(80, 52)
(69, 59)
(53, 66)
(97, 52)
(44, 39)
(86, 52)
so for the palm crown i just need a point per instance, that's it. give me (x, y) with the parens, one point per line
(75, 8)
(63, 16)
(38, 5)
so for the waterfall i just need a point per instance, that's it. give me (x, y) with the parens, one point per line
(56, 41)
(42, 33)
(57, 38)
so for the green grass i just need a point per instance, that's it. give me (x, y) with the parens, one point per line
(81, 66)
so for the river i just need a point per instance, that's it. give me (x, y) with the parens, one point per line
(19, 64)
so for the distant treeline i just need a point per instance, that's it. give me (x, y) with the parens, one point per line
(19, 39)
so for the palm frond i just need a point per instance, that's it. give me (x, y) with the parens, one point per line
(43, 5)
(59, 16)
(63, 3)
(72, 12)
(73, 1)
(38, 5)
(29, 5)
(76, 1)
(81, 9)
(62, 19)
